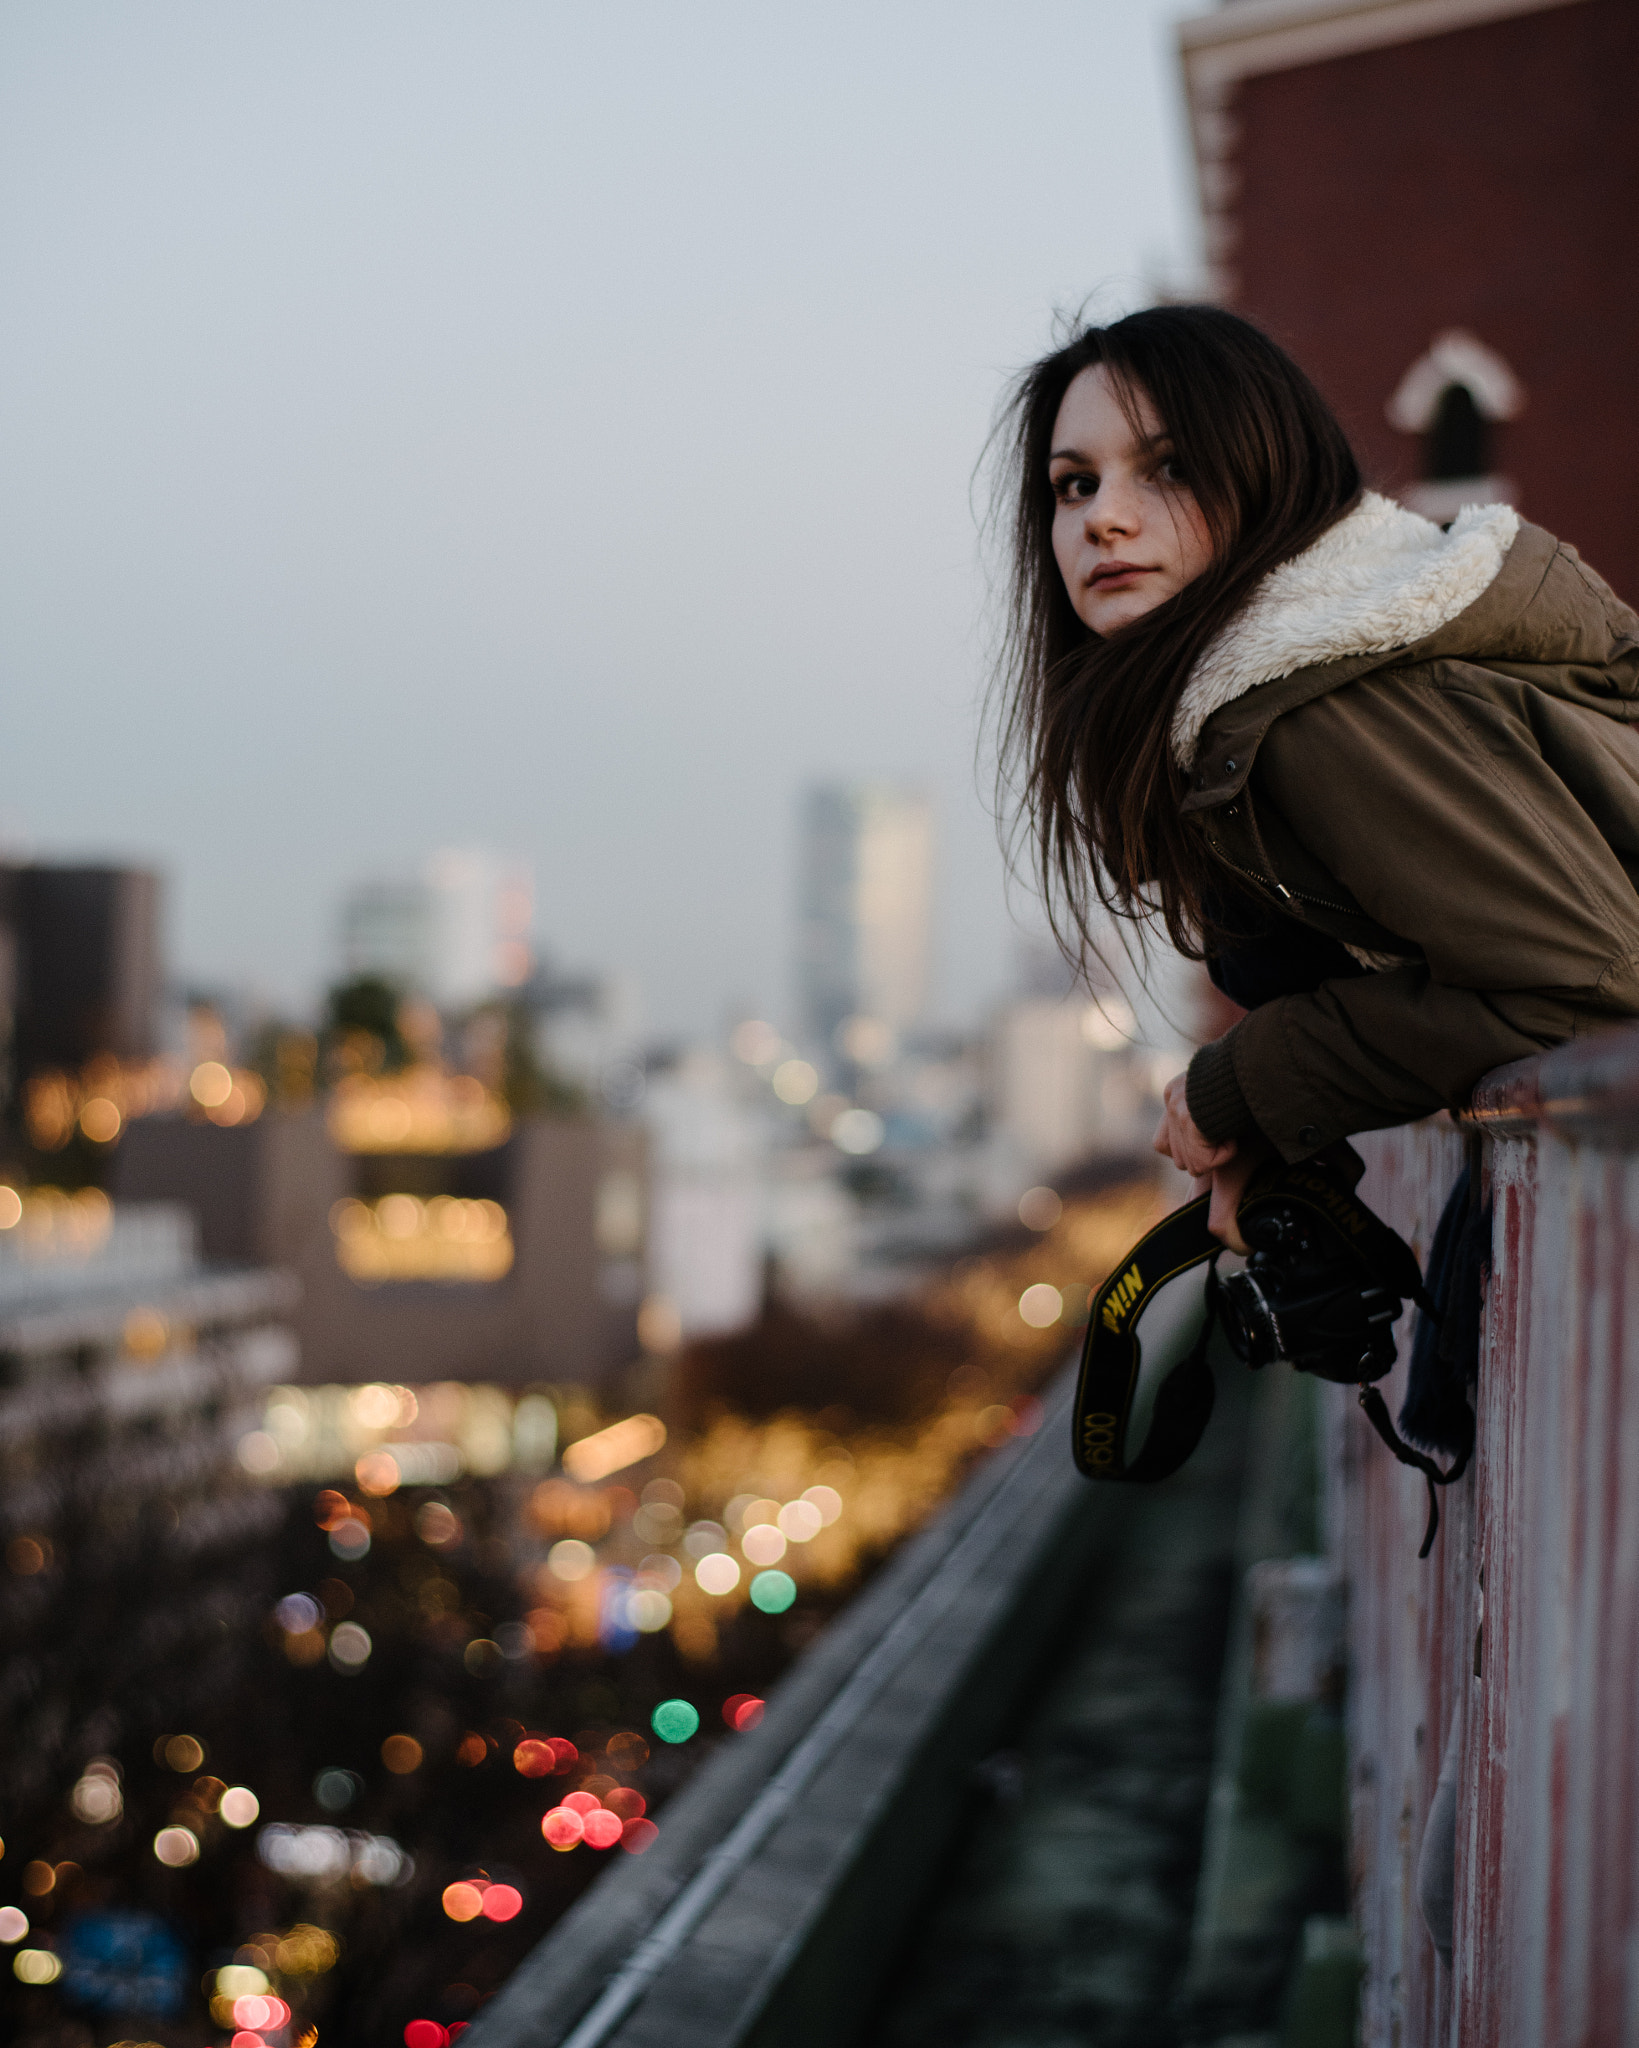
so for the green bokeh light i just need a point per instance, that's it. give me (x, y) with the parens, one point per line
(676, 1720)
(773, 1592)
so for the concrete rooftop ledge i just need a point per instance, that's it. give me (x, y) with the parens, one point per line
(786, 1869)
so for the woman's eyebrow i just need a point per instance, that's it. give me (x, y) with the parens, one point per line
(1068, 455)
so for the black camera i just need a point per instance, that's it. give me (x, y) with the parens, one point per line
(1303, 1298)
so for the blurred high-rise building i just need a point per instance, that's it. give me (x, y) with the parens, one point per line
(458, 933)
(866, 910)
(82, 964)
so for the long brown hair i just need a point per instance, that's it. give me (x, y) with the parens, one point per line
(1086, 765)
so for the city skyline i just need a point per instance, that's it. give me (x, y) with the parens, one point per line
(514, 432)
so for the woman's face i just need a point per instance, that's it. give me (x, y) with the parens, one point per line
(1127, 532)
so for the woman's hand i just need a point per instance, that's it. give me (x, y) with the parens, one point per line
(1228, 1168)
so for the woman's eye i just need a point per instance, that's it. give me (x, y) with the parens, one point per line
(1172, 471)
(1074, 488)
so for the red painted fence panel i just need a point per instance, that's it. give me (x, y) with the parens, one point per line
(1521, 1632)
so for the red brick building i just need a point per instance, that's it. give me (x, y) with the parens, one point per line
(1434, 204)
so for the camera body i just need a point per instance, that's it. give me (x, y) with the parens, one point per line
(1303, 1297)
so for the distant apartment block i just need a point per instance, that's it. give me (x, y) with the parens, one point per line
(865, 916)
(129, 1371)
(433, 1240)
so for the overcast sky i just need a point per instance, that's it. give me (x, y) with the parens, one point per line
(539, 426)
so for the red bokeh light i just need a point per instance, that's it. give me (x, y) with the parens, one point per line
(604, 1829)
(535, 1757)
(748, 1714)
(253, 2012)
(1027, 1413)
(330, 1507)
(637, 1835)
(566, 1753)
(244, 2040)
(563, 1827)
(582, 1802)
(426, 2034)
(628, 1804)
(503, 1902)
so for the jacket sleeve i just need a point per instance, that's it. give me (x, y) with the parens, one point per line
(1435, 809)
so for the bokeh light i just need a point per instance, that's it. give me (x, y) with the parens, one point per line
(97, 1798)
(571, 1560)
(773, 1592)
(296, 1613)
(1039, 1208)
(463, 1901)
(502, 1902)
(438, 1525)
(858, 1132)
(36, 1966)
(176, 1847)
(240, 1980)
(763, 1543)
(717, 1573)
(13, 1924)
(603, 1829)
(426, 2034)
(350, 1647)
(799, 1521)
(401, 1754)
(1041, 1306)
(638, 1835)
(795, 1082)
(563, 1827)
(239, 1806)
(648, 1609)
(182, 1753)
(676, 1720)
(742, 1710)
(349, 1539)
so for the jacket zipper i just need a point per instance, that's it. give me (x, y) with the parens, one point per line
(1280, 888)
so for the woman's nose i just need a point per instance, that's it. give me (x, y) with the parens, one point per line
(1112, 509)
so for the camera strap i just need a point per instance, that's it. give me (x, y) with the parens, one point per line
(1152, 1278)
(1145, 1390)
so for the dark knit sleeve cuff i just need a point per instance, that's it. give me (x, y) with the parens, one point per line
(1214, 1095)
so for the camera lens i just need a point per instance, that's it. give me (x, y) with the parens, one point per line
(1248, 1320)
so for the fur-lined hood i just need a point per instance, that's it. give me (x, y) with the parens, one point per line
(1381, 578)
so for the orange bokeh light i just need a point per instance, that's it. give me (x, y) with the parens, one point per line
(463, 1901)
(563, 1827)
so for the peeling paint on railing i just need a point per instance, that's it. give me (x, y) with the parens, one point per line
(1522, 1630)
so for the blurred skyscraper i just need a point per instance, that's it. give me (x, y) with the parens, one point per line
(456, 935)
(866, 908)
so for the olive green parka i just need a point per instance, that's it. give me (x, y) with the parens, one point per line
(1422, 744)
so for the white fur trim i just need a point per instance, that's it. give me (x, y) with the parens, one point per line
(1380, 578)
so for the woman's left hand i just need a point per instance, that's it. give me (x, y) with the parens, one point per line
(1228, 1168)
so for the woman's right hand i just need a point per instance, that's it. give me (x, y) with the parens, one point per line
(1227, 1168)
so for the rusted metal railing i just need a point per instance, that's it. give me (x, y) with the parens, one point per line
(1518, 1640)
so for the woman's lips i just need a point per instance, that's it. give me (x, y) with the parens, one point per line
(1114, 573)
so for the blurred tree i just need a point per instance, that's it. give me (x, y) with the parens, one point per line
(362, 1026)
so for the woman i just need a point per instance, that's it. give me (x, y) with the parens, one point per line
(1384, 778)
